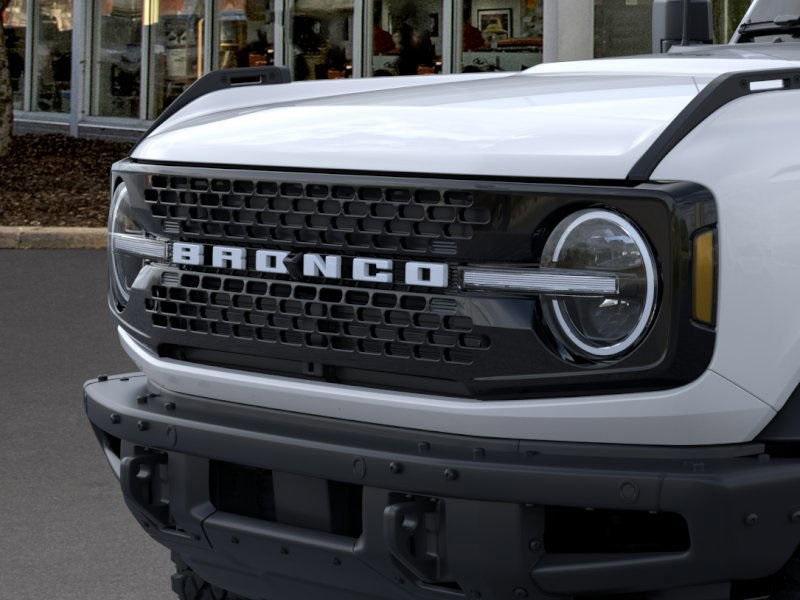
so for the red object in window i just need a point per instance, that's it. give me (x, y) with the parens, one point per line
(473, 38)
(382, 41)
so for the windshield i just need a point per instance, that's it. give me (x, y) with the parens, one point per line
(766, 11)
(772, 21)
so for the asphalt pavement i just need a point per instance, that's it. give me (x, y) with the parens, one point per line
(65, 533)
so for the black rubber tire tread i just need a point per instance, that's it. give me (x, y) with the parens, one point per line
(788, 584)
(188, 585)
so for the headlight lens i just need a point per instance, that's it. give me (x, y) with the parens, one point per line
(130, 246)
(601, 326)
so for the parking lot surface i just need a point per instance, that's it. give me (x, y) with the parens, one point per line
(65, 533)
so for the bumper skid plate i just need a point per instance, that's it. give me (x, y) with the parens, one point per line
(278, 505)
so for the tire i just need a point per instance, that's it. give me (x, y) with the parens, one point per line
(788, 584)
(188, 585)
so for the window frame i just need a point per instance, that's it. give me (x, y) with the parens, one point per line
(33, 12)
(445, 27)
(27, 79)
(283, 20)
(90, 72)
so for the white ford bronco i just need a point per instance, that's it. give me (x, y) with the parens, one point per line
(487, 336)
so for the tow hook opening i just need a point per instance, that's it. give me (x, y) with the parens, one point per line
(413, 528)
(143, 476)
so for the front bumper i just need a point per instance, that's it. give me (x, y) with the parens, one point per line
(710, 410)
(434, 515)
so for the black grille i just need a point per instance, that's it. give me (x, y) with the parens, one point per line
(344, 217)
(445, 341)
(365, 321)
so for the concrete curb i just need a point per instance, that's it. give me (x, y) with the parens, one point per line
(53, 238)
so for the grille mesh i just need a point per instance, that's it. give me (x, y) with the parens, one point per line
(344, 217)
(369, 322)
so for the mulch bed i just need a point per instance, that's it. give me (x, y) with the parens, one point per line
(56, 180)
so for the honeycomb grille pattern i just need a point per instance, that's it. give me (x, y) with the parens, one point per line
(368, 322)
(340, 217)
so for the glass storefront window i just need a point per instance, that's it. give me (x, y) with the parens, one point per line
(622, 27)
(117, 67)
(321, 39)
(176, 52)
(406, 37)
(15, 23)
(52, 56)
(244, 33)
(501, 36)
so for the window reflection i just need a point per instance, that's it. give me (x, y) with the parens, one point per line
(406, 37)
(244, 32)
(117, 65)
(53, 56)
(501, 36)
(176, 56)
(321, 39)
(622, 28)
(15, 23)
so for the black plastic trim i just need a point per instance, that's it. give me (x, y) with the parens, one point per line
(721, 91)
(220, 80)
(739, 504)
(784, 429)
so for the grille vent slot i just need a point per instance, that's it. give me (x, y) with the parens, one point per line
(344, 217)
(369, 322)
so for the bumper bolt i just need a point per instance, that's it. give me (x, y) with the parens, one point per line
(424, 447)
(142, 425)
(395, 467)
(536, 546)
(478, 453)
(284, 551)
(629, 492)
(450, 474)
(337, 562)
(520, 593)
(170, 406)
(115, 418)
(234, 540)
(360, 468)
(142, 399)
(751, 520)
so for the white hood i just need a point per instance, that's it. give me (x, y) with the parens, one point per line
(588, 120)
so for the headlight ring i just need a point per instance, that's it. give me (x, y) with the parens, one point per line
(130, 246)
(601, 327)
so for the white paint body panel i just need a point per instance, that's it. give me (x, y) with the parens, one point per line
(520, 126)
(748, 155)
(711, 410)
(588, 119)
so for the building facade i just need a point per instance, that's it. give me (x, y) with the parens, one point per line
(107, 67)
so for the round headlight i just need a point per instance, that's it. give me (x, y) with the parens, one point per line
(601, 326)
(129, 245)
